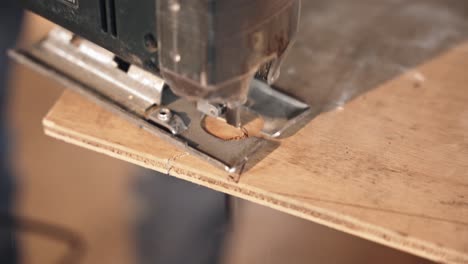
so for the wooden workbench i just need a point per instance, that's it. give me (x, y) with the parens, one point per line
(390, 166)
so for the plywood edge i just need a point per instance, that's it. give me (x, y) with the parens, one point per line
(318, 215)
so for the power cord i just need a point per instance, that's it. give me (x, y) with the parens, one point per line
(75, 243)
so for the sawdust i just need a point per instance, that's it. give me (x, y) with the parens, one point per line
(224, 131)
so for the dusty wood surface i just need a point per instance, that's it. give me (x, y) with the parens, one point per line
(391, 166)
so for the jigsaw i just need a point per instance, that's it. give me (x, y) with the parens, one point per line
(168, 65)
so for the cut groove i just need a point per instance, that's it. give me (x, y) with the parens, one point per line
(122, 64)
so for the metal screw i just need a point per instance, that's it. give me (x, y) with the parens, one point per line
(164, 114)
(150, 42)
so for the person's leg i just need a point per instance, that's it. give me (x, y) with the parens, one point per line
(179, 222)
(10, 20)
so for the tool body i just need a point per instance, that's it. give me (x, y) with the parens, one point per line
(169, 64)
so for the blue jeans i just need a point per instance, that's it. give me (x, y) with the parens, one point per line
(10, 20)
(181, 222)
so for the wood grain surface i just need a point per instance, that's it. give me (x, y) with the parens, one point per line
(390, 166)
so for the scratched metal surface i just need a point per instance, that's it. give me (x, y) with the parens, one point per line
(348, 47)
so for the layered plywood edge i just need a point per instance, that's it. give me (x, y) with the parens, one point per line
(390, 167)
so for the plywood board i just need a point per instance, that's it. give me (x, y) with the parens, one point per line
(390, 166)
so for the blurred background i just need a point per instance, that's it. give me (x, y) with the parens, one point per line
(112, 209)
